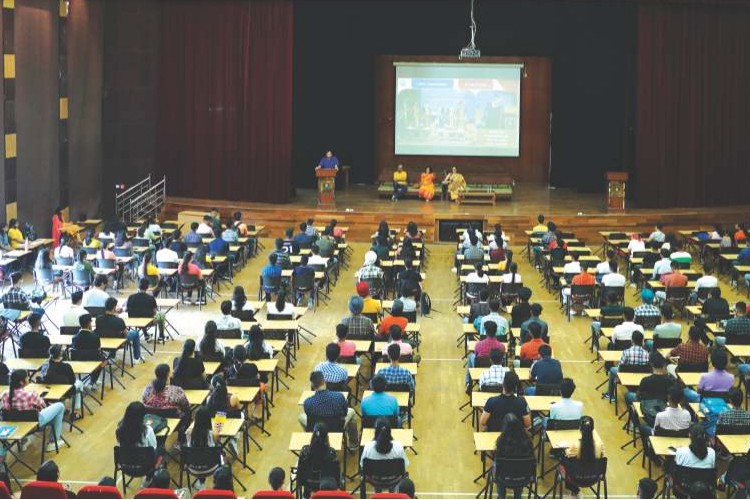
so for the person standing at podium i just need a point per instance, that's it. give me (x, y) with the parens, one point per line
(328, 162)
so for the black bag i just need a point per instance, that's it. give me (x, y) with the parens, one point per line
(425, 304)
(157, 422)
(650, 407)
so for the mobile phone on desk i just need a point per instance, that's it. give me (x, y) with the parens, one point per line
(43, 394)
(672, 449)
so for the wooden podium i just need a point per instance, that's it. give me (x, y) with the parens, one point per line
(326, 187)
(616, 182)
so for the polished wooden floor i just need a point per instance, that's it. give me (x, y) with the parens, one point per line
(446, 463)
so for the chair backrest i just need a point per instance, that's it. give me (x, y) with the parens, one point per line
(610, 321)
(658, 431)
(264, 494)
(278, 317)
(229, 334)
(368, 421)
(716, 394)
(660, 343)
(376, 286)
(43, 489)
(167, 265)
(732, 429)
(705, 292)
(106, 263)
(585, 474)
(64, 261)
(331, 494)
(634, 368)
(135, 461)
(494, 388)
(389, 471)
(81, 277)
(95, 491)
(271, 282)
(683, 477)
(141, 242)
(677, 293)
(69, 330)
(85, 354)
(515, 472)
(123, 251)
(390, 495)
(43, 275)
(510, 289)
(95, 312)
(33, 353)
(581, 291)
(20, 415)
(617, 291)
(562, 425)
(692, 367)
(737, 339)
(621, 345)
(201, 457)
(547, 389)
(188, 280)
(155, 493)
(334, 424)
(4, 491)
(474, 289)
(304, 282)
(648, 322)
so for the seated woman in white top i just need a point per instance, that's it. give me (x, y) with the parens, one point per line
(512, 275)
(603, 268)
(479, 275)
(408, 301)
(383, 447)
(64, 250)
(698, 454)
(499, 234)
(636, 244)
(281, 306)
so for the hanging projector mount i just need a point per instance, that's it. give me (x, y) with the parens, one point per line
(471, 51)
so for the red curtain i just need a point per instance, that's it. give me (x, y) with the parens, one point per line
(693, 105)
(224, 127)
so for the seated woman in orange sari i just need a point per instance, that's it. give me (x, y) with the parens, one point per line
(427, 185)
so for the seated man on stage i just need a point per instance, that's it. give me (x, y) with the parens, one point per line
(328, 162)
(400, 186)
(454, 183)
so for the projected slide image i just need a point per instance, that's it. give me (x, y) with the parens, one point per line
(463, 115)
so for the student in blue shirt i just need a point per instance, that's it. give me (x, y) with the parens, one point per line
(380, 404)
(328, 162)
(546, 370)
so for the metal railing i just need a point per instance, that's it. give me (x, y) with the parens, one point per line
(142, 200)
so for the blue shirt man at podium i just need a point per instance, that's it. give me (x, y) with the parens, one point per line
(328, 162)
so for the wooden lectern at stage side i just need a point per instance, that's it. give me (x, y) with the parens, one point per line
(616, 182)
(326, 187)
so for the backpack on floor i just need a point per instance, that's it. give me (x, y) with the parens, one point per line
(425, 304)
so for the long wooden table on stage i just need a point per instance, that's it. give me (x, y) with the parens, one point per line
(516, 215)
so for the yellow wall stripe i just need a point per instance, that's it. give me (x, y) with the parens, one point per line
(64, 8)
(9, 4)
(63, 108)
(11, 211)
(9, 66)
(10, 145)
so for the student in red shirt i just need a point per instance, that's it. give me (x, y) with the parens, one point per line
(530, 349)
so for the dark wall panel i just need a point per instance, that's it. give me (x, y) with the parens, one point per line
(37, 111)
(85, 37)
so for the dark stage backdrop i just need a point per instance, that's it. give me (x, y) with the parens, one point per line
(337, 42)
(224, 123)
(693, 105)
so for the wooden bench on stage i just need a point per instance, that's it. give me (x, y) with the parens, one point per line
(476, 197)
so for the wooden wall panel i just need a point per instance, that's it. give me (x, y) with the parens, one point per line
(536, 100)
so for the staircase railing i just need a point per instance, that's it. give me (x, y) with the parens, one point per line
(142, 200)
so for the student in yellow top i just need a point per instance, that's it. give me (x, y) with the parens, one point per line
(371, 306)
(90, 240)
(540, 227)
(15, 236)
(400, 186)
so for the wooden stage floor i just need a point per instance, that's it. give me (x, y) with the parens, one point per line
(359, 206)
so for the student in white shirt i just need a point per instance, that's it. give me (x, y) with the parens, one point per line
(624, 331)
(71, 315)
(708, 280)
(281, 306)
(603, 268)
(613, 278)
(699, 454)
(204, 228)
(663, 265)
(479, 275)
(408, 301)
(465, 239)
(166, 254)
(226, 321)
(636, 244)
(572, 267)
(657, 235)
(315, 259)
(96, 296)
(512, 275)
(566, 408)
(383, 447)
(64, 250)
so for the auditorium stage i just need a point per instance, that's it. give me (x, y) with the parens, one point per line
(360, 208)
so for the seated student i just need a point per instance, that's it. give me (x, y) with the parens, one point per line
(633, 355)
(189, 268)
(304, 271)
(166, 254)
(483, 347)
(384, 447)
(739, 232)
(226, 321)
(572, 267)
(223, 480)
(395, 335)
(521, 311)
(647, 307)
(479, 275)
(34, 339)
(141, 304)
(110, 324)
(15, 236)
(370, 306)
(715, 306)
(587, 449)
(498, 255)
(636, 244)
(379, 403)
(396, 318)
(16, 300)
(512, 275)
(276, 479)
(717, 380)
(318, 460)
(737, 326)
(241, 308)
(205, 228)
(613, 278)
(481, 307)
(513, 442)
(672, 279)
(530, 350)
(680, 256)
(333, 373)
(610, 308)
(83, 265)
(160, 394)
(545, 370)
(326, 403)
(281, 307)
(97, 296)
(698, 455)
(193, 237)
(395, 374)
(625, 330)
(498, 407)
(369, 270)
(17, 397)
(189, 370)
(57, 371)
(540, 226)
(655, 386)
(672, 418)
(409, 279)
(71, 315)
(735, 416)
(302, 239)
(408, 300)
(318, 257)
(495, 374)
(133, 430)
(501, 324)
(657, 235)
(360, 327)
(210, 347)
(536, 312)
(202, 434)
(663, 265)
(256, 346)
(85, 339)
(473, 250)
(584, 278)
(692, 352)
(230, 233)
(708, 280)
(347, 347)
(50, 472)
(177, 245)
(566, 408)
